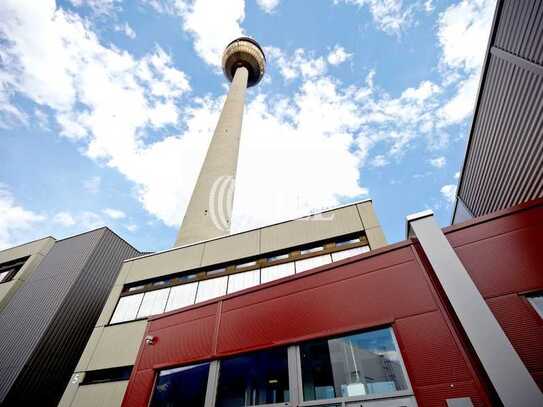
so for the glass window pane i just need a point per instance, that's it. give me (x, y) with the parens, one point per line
(349, 253)
(537, 303)
(213, 288)
(127, 308)
(3, 275)
(354, 365)
(153, 302)
(254, 379)
(183, 386)
(181, 296)
(240, 281)
(312, 262)
(275, 272)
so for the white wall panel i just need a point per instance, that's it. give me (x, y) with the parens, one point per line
(275, 272)
(312, 262)
(182, 296)
(349, 253)
(212, 288)
(240, 281)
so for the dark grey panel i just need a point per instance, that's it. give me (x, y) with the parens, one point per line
(520, 29)
(504, 164)
(504, 160)
(53, 314)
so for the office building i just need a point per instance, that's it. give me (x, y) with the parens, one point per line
(52, 292)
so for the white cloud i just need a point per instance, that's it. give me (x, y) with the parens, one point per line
(338, 55)
(390, 15)
(97, 6)
(438, 162)
(428, 6)
(461, 105)
(379, 161)
(107, 101)
(457, 175)
(126, 29)
(64, 218)
(131, 227)
(449, 193)
(268, 5)
(15, 221)
(463, 31)
(114, 213)
(299, 64)
(212, 24)
(78, 222)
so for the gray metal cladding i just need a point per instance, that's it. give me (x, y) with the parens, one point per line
(49, 320)
(504, 162)
(520, 30)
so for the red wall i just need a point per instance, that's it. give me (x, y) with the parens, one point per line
(392, 286)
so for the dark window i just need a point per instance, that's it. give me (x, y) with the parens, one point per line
(182, 387)
(107, 375)
(253, 379)
(10, 268)
(354, 365)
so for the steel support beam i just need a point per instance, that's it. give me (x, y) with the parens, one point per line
(508, 374)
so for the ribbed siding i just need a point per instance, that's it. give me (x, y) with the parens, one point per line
(504, 166)
(504, 161)
(52, 318)
(520, 30)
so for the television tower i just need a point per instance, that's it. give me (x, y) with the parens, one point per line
(209, 212)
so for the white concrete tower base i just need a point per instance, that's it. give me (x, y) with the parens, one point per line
(209, 212)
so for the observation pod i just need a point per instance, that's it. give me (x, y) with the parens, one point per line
(244, 52)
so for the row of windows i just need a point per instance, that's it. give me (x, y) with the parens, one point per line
(299, 254)
(10, 268)
(141, 305)
(361, 365)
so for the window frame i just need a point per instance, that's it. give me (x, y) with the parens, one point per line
(13, 267)
(342, 401)
(295, 378)
(261, 263)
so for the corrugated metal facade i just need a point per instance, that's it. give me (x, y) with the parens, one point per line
(504, 159)
(47, 323)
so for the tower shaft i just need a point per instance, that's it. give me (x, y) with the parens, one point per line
(209, 212)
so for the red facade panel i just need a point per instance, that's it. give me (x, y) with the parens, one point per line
(523, 327)
(350, 303)
(391, 286)
(519, 268)
(432, 356)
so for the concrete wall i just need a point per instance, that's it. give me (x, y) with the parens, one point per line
(117, 345)
(37, 251)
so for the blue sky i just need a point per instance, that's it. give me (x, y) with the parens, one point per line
(107, 107)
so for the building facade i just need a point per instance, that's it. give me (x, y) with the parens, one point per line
(383, 328)
(159, 282)
(18, 263)
(503, 165)
(52, 293)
